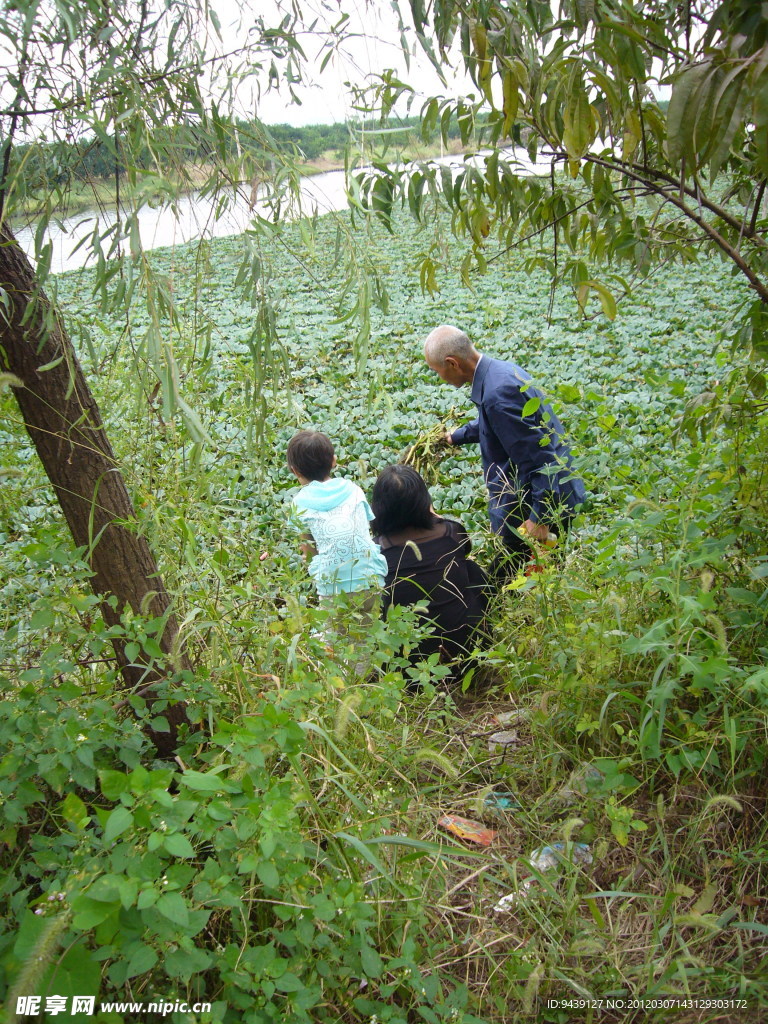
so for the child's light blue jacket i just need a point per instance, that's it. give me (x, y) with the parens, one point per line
(337, 514)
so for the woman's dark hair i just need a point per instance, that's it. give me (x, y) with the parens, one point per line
(311, 453)
(400, 499)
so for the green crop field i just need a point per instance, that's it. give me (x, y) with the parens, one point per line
(289, 866)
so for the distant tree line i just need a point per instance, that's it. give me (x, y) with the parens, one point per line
(64, 164)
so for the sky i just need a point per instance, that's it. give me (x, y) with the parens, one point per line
(373, 45)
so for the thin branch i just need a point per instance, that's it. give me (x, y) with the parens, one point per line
(756, 209)
(554, 247)
(91, 101)
(759, 286)
(709, 204)
(16, 114)
(556, 220)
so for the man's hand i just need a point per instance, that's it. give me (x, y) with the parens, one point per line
(307, 547)
(448, 437)
(536, 531)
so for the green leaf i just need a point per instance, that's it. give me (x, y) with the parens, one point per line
(178, 845)
(42, 618)
(268, 874)
(119, 821)
(729, 116)
(579, 123)
(760, 115)
(132, 651)
(89, 913)
(289, 983)
(371, 962)
(74, 810)
(183, 963)
(105, 889)
(681, 114)
(113, 783)
(147, 898)
(607, 300)
(531, 406)
(371, 858)
(141, 958)
(511, 98)
(751, 926)
(206, 782)
(172, 906)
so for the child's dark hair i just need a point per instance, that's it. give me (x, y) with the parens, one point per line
(311, 453)
(400, 499)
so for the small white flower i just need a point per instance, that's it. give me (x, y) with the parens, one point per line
(81, 738)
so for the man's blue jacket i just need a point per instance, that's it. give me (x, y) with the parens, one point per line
(527, 464)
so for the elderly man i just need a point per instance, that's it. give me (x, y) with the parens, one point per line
(526, 463)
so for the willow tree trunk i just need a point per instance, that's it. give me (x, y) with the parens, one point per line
(64, 423)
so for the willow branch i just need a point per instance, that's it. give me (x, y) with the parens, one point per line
(91, 101)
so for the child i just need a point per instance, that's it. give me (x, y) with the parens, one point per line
(335, 514)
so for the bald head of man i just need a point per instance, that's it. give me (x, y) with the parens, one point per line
(449, 352)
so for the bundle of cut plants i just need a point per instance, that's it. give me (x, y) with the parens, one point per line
(427, 452)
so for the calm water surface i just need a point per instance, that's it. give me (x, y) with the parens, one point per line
(193, 216)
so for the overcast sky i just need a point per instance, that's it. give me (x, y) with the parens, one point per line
(373, 45)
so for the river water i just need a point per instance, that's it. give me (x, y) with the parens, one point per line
(194, 215)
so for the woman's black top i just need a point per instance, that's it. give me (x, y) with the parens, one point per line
(431, 565)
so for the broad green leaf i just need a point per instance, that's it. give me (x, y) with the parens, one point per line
(371, 962)
(89, 913)
(119, 821)
(178, 845)
(147, 898)
(141, 958)
(172, 906)
(113, 783)
(74, 810)
(289, 982)
(268, 874)
(206, 782)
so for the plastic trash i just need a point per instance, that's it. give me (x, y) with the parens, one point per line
(508, 902)
(548, 857)
(464, 828)
(508, 738)
(580, 783)
(499, 800)
(511, 717)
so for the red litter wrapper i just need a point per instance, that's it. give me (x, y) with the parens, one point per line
(464, 828)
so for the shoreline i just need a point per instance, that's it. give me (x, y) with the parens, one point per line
(100, 193)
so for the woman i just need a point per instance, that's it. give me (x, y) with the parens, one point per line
(427, 561)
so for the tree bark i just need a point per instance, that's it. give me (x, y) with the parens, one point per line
(64, 423)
